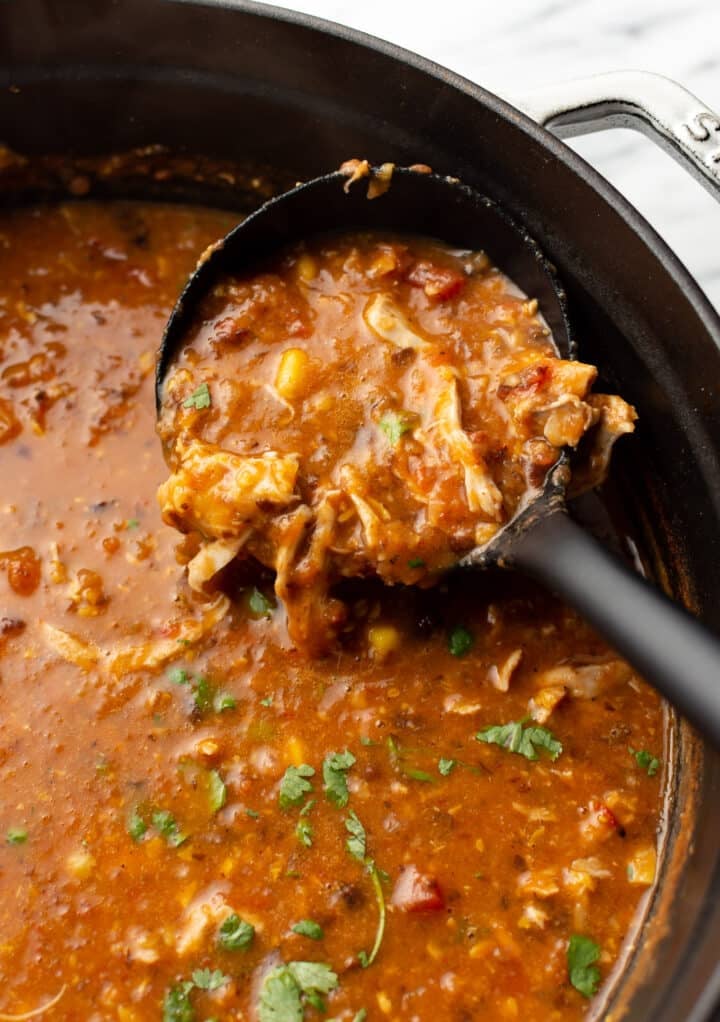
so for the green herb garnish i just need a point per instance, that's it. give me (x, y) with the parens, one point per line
(209, 979)
(16, 836)
(177, 1006)
(416, 562)
(460, 641)
(294, 785)
(582, 953)
(203, 695)
(446, 766)
(223, 701)
(235, 934)
(356, 843)
(395, 426)
(525, 741)
(199, 399)
(259, 604)
(132, 523)
(304, 829)
(335, 768)
(166, 825)
(136, 826)
(308, 928)
(217, 791)
(288, 988)
(645, 760)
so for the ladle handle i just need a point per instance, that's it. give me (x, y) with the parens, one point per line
(669, 647)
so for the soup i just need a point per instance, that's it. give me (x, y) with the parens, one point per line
(454, 816)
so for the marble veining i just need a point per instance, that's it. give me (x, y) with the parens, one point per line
(511, 47)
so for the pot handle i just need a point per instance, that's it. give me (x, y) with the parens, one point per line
(666, 112)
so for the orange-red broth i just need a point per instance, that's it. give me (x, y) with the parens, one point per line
(486, 870)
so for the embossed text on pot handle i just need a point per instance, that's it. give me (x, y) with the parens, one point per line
(659, 107)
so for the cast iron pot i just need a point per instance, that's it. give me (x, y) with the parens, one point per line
(240, 80)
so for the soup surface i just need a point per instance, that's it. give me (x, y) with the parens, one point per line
(455, 816)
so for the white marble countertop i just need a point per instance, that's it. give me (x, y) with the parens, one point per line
(511, 46)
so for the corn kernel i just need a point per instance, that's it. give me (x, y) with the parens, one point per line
(384, 1002)
(383, 639)
(80, 864)
(482, 948)
(642, 866)
(295, 751)
(479, 844)
(508, 1008)
(306, 267)
(292, 373)
(434, 950)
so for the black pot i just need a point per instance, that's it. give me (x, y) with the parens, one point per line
(240, 81)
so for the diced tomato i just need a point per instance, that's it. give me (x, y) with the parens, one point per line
(606, 815)
(417, 892)
(436, 281)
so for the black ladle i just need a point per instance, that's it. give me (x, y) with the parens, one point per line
(667, 645)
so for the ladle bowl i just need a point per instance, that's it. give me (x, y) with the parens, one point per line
(673, 650)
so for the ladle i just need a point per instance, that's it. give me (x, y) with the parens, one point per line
(668, 646)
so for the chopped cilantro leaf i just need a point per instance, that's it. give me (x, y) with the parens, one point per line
(209, 979)
(308, 928)
(304, 829)
(335, 768)
(235, 934)
(304, 832)
(136, 826)
(199, 399)
(280, 997)
(525, 741)
(418, 775)
(646, 761)
(177, 1006)
(178, 677)
(203, 695)
(166, 825)
(446, 766)
(356, 843)
(16, 836)
(416, 562)
(315, 976)
(360, 1016)
(259, 604)
(582, 953)
(294, 785)
(286, 988)
(223, 701)
(395, 426)
(253, 814)
(132, 523)
(217, 791)
(267, 701)
(460, 641)
(368, 742)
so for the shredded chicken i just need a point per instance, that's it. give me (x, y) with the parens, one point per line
(220, 493)
(415, 429)
(586, 679)
(152, 653)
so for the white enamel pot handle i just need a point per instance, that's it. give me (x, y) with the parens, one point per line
(660, 108)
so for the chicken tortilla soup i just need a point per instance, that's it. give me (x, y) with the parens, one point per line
(280, 765)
